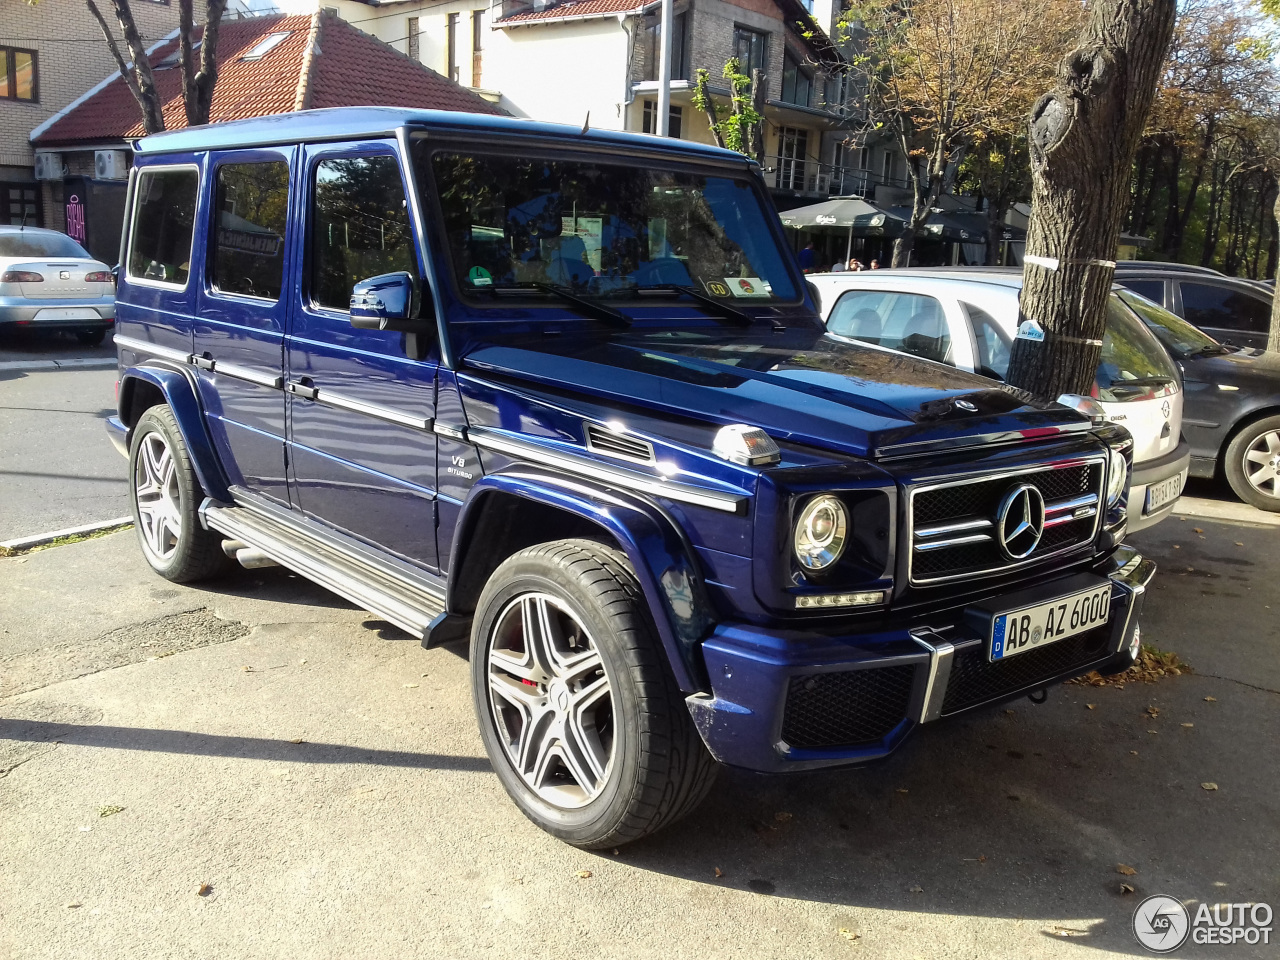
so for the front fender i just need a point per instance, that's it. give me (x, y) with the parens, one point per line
(179, 393)
(662, 559)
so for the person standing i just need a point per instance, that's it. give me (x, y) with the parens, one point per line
(875, 264)
(808, 258)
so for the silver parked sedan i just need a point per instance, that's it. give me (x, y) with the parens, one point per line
(48, 280)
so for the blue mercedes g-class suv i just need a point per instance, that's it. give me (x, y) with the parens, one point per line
(564, 394)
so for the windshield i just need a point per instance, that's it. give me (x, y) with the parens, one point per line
(25, 244)
(1170, 329)
(1134, 366)
(605, 229)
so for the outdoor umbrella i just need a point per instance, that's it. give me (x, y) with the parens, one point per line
(856, 215)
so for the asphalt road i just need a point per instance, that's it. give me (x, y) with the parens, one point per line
(323, 776)
(57, 467)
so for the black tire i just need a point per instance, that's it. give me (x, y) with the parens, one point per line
(91, 338)
(659, 770)
(1236, 464)
(191, 553)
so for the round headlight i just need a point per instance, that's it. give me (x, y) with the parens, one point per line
(1117, 477)
(821, 533)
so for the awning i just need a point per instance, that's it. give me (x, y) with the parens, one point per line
(845, 213)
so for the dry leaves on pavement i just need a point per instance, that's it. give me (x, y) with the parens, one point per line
(1125, 870)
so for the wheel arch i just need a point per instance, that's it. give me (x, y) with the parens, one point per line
(507, 512)
(145, 386)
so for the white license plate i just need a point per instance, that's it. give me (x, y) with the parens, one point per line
(1158, 494)
(68, 313)
(1033, 627)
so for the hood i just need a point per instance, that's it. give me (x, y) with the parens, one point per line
(799, 386)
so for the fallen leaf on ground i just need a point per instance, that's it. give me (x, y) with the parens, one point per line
(1153, 731)
(1188, 724)
(72, 906)
(1125, 870)
(583, 874)
(1134, 752)
(297, 740)
(204, 890)
(109, 811)
(1091, 706)
(1239, 543)
(848, 934)
(1197, 530)
(782, 816)
(917, 889)
(1125, 888)
(1209, 785)
(1210, 699)
(902, 790)
(1153, 711)
(719, 872)
(410, 686)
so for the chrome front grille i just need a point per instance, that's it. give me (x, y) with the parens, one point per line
(955, 527)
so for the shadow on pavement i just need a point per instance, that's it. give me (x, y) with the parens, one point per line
(212, 745)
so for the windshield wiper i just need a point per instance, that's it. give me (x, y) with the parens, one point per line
(1210, 350)
(726, 311)
(1141, 382)
(592, 308)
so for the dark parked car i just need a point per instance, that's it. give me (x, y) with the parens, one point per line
(1229, 309)
(563, 393)
(1231, 405)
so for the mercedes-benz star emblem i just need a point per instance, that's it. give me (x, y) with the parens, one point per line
(967, 406)
(1020, 521)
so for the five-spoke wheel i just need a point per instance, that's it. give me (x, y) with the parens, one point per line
(580, 715)
(165, 497)
(1252, 464)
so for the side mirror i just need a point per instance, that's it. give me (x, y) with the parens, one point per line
(387, 302)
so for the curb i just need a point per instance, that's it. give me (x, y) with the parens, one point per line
(40, 539)
(1224, 511)
(78, 363)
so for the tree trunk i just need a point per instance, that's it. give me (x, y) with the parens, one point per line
(1273, 341)
(1170, 241)
(198, 82)
(995, 234)
(1210, 245)
(759, 91)
(1083, 135)
(138, 76)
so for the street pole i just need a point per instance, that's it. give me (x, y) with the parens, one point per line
(664, 71)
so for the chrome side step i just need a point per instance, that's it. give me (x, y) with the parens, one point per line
(353, 571)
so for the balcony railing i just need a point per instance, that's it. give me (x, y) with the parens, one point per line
(806, 175)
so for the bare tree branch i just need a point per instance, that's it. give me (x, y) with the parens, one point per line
(139, 79)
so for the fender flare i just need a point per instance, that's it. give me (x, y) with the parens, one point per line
(663, 560)
(179, 392)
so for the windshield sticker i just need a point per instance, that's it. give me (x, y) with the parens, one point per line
(717, 289)
(480, 277)
(1030, 330)
(747, 286)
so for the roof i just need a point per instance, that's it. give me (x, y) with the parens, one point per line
(346, 123)
(322, 62)
(575, 9)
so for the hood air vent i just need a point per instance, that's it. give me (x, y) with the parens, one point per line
(614, 443)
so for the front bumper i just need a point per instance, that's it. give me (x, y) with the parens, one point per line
(1148, 473)
(867, 692)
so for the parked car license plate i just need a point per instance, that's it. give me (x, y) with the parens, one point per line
(1158, 494)
(1033, 627)
(68, 313)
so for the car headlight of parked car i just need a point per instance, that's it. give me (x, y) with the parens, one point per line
(822, 531)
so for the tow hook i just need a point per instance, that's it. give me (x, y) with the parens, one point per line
(1039, 696)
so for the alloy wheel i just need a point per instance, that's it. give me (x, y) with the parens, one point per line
(550, 699)
(155, 485)
(1262, 464)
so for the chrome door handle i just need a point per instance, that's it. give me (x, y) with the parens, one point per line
(303, 390)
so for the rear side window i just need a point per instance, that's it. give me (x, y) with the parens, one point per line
(253, 205)
(1153, 290)
(163, 220)
(360, 229)
(1209, 305)
(908, 322)
(992, 358)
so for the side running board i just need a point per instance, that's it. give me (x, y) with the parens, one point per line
(381, 585)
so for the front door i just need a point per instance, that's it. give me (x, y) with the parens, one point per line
(362, 451)
(240, 318)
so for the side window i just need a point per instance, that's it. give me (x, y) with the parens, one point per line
(1207, 305)
(992, 358)
(908, 322)
(360, 227)
(1153, 290)
(252, 202)
(163, 221)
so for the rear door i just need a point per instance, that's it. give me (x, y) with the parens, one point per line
(240, 321)
(362, 450)
(1230, 312)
